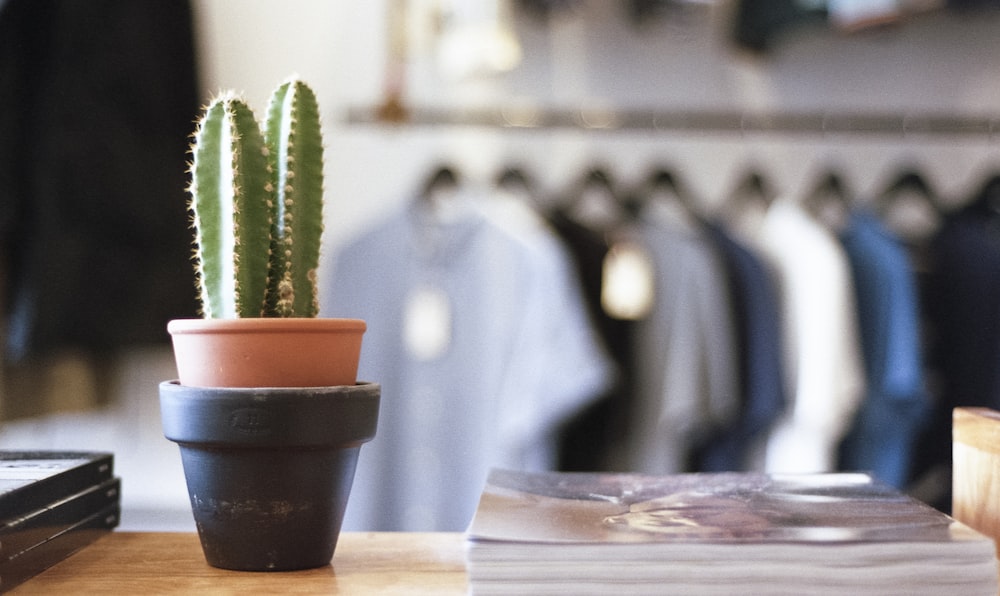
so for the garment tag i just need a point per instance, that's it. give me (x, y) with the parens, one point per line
(627, 282)
(427, 323)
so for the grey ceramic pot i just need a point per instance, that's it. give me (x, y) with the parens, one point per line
(269, 471)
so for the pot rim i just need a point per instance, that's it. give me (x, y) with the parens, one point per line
(268, 324)
(277, 390)
(335, 416)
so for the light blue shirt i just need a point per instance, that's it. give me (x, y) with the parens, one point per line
(510, 355)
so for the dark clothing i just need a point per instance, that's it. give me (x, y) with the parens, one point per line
(963, 311)
(97, 100)
(759, 346)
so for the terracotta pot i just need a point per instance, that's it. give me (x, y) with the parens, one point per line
(267, 352)
(269, 471)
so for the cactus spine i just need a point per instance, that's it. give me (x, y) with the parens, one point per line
(257, 206)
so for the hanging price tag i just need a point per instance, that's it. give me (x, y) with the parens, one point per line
(427, 323)
(627, 282)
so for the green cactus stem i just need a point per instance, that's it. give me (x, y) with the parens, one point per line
(257, 206)
(231, 204)
(292, 133)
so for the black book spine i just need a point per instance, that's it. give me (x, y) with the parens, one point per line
(33, 561)
(42, 492)
(23, 533)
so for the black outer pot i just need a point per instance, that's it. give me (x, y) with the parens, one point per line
(269, 470)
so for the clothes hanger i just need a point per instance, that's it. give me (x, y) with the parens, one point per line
(829, 201)
(753, 188)
(909, 207)
(744, 209)
(909, 181)
(663, 189)
(986, 201)
(830, 186)
(595, 201)
(443, 180)
(665, 181)
(515, 179)
(598, 177)
(441, 199)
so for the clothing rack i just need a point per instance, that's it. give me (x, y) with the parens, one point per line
(606, 119)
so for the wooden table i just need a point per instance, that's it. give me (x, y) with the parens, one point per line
(164, 563)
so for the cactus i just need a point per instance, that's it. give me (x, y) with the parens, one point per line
(292, 133)
(257, 206)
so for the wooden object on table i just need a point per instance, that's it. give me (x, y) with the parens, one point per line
(976, 469)
(173, 563)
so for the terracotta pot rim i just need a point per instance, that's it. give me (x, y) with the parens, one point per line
(271, 324)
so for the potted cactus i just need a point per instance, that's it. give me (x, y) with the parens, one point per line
(266, 409)
(257, 207)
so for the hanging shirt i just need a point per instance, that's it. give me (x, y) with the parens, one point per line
(822, 352)
(686, 376)
(585, 440)
(594, 440)
(757, 328)
(481, 348)
(881, 438)
(571, 337)
(962, 303)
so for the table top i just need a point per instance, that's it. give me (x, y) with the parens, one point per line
(162, 563)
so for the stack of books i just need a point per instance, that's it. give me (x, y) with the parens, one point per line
(52, 504)
(720, 533)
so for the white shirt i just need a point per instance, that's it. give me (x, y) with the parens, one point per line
(823, 354)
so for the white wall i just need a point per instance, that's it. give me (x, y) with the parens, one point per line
(933, 63)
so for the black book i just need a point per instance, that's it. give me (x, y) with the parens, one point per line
(33, 480)
(20, 534)
(33, 561)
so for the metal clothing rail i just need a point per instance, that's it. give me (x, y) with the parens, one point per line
(601, 119)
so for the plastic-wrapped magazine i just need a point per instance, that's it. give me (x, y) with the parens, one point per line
(718, 533)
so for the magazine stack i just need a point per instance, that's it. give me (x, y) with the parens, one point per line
(52, 504)
(719, 533)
